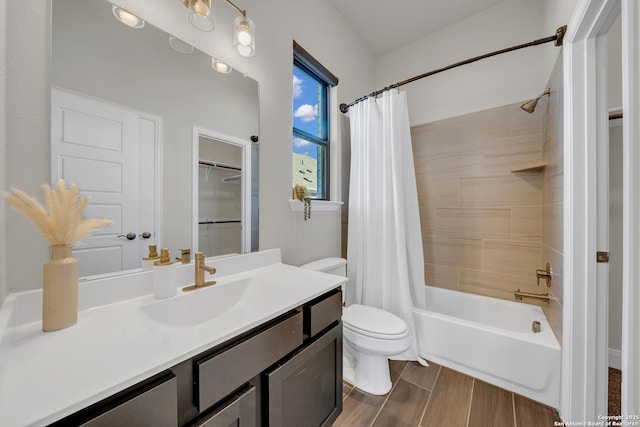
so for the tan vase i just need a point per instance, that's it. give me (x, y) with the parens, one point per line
(60, 290)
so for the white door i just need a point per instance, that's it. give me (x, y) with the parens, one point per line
(95, 145)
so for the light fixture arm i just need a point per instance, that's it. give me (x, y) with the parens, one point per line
(244, 30)
(233, 5)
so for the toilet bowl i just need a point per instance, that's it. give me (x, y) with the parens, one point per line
(371, 336)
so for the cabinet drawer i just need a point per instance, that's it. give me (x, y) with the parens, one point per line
(218, 374)
(154, 405)
(239, 411)
(322, 313)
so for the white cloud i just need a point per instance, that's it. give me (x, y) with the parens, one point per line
(306, 112)
(299, 143)
(297, 87)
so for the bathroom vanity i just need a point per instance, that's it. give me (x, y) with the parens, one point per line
(261, 348)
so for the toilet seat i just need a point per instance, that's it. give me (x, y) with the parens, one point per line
(374, 322)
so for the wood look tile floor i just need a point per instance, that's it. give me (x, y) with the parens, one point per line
(437, 396)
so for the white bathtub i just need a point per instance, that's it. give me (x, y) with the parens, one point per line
(491, 339)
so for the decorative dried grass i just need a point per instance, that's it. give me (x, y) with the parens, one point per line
(61, 223)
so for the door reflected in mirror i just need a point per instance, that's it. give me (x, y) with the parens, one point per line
(134, 95)
(220, 196)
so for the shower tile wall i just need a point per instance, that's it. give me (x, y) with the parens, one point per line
(552, 200)
(486, 227)
(481, 222)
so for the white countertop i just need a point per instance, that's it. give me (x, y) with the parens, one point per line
(45, 376)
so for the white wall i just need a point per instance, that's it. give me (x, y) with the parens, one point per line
(614, 65)
(317, 26)
(3, 142)
(556, 13)
(488, 83)
(27, 133)
(614, 99)
(615, 235)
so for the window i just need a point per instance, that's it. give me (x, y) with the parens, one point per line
(311, 83)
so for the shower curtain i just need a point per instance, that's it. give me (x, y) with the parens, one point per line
(385, 257)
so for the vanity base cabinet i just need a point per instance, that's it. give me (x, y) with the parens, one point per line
(222, 371)
(306, 388)
(152, 403)
(286, 372)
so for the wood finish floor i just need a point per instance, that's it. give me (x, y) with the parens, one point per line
(615, 386)
(438, 396)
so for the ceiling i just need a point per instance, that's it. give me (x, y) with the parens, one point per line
(392, 24)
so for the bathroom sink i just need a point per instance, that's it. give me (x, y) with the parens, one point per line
(201, 305)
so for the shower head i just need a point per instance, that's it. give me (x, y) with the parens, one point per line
(530, 106)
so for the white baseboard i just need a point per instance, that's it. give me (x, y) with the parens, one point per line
(615, 358)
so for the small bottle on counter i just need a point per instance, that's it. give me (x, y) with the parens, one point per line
(164, 276)
(147, 262)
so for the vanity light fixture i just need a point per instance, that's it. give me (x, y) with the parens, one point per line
(200, 14)
(127, 18)
(244, 35)
(244, 30)
(220, 66)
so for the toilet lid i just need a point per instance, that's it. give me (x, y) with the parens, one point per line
(373, 321)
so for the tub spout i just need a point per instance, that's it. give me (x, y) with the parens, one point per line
(535, 327)
(520, 295)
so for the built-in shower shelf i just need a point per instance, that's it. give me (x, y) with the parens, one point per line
(537, 167)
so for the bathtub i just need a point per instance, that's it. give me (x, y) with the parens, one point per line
(491, 339)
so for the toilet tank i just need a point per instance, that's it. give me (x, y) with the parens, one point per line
(332, 265)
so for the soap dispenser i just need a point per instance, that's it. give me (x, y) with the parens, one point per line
(164, 276)
(147, 262)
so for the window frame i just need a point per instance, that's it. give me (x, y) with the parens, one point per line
(303, 60)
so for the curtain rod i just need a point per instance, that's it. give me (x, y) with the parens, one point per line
(557, 38)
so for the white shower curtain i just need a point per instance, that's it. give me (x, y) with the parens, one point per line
(385, 258)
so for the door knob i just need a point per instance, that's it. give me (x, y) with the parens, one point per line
(130, 235)
(145, 234)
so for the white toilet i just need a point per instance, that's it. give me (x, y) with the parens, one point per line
(371, 335)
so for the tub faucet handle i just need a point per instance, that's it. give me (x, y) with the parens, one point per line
(545, 274)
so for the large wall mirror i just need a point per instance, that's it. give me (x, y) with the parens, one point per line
(127, 106)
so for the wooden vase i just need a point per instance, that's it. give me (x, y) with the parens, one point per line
(60, 290)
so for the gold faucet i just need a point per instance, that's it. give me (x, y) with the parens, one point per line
(540, 274)
(186, 256)
(200, 269)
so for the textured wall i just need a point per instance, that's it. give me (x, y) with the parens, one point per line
(552, 199)
(481, 222)
(486, 224)
(28, 132)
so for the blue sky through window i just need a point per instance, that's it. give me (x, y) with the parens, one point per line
(308, 95)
